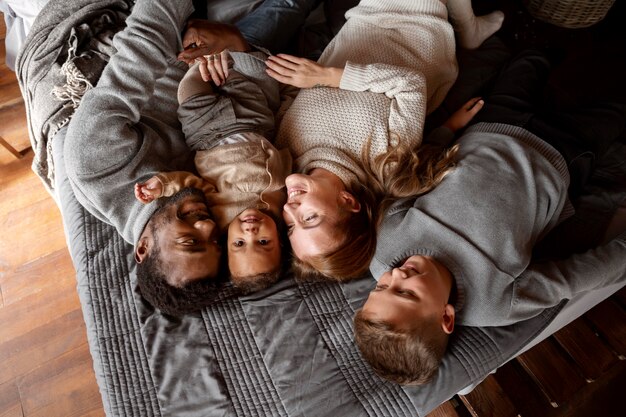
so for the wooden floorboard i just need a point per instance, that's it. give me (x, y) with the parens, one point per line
(444, 410)
(10, 404)
(489, 400)
(610, 321)
(45, 365)
(553, 373)
(56, 388)
(580, 341)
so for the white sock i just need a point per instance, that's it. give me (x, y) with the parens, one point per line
(473, 32)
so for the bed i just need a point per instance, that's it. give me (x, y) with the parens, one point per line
(284, 351)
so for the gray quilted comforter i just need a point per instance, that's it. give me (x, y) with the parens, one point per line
(286, 351)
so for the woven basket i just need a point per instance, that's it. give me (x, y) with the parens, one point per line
(571, 14)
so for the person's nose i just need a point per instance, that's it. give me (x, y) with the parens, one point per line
(291, 208)
(250, 228)
(398, 274)
(206, 226)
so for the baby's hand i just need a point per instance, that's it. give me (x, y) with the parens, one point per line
(149, 190)
(214, 67)
(464, 115)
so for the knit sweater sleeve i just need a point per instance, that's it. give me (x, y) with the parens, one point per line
(545, 284)
(125, 129)
(126, 86)
(175, 181)
(405, 88)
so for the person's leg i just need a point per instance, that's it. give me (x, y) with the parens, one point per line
(202, 111)
(253, 103)
(582, 135)
(274, 23)
(472, 30)
(478, 69)
(208, 113)
(192, 84)
(515, 94)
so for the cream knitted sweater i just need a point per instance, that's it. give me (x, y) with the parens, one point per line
(399, 59)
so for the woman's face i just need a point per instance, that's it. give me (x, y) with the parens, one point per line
(317, 205)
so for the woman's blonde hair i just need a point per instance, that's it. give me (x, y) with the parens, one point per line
(401, 172)
(352, 257)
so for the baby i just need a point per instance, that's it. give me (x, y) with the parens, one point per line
(242, 174)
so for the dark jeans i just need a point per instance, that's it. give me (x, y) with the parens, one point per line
(521, 96)
(275, 23)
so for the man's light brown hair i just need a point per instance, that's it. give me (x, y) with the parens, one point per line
(404, 357)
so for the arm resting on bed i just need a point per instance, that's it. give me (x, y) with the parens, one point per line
(545, 284)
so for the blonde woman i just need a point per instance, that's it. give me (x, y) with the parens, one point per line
(354, 127)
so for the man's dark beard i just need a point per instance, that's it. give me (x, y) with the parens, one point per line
(164, 203)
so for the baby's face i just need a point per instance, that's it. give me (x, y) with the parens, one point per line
(253, 244)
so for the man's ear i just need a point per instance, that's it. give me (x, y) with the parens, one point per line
(350, 201)
(447, 324)
(142, 249)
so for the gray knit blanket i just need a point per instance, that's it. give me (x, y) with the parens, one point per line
(285, 351)
(62, 57)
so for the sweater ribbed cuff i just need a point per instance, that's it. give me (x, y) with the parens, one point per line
(249, 63)
(354, 77)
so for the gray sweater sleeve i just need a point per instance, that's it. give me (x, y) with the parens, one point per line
(545, 284)
(252, 66)
(125, 129)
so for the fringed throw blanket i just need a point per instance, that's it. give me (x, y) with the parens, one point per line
(63, 56)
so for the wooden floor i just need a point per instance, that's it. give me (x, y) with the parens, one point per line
(45, 365)
(580, 371)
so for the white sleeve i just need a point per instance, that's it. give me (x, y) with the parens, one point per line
(406, 89)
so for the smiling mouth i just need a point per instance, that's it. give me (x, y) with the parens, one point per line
(293, 193)
(194, 208)
(251, 219)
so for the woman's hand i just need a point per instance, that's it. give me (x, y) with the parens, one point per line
(464, 115)
(302, 72)
(208, 38)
